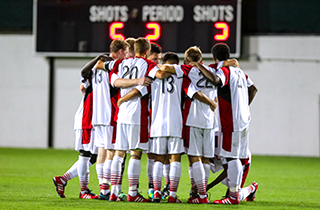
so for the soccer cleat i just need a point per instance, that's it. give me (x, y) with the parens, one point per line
(150, 193)
(199, 200)
(173, 200)
(57, 181)
(104, 197)
(227, 201)
(113, 197)
(122, 196)
(252, 195)
(165, 191)
(156, 197)
(88, 195)
(137, 198)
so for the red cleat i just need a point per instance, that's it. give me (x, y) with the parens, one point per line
(156, 197)
(113, 197)
(57, 181)
(88, 195)
(229, 201)
(199, 200)
(137, 198)
(173, 200)
(252, 195)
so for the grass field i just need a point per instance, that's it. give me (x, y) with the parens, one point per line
(25, 183)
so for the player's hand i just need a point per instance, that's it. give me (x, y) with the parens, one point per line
(120, 101)
(214, 105)
(145, 81)
(100, 64)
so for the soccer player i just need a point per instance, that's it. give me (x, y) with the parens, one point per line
(132, 118)
(84, 143)
(155, 56)
(234, 97)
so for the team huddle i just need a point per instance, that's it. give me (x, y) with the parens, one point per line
(133, 104)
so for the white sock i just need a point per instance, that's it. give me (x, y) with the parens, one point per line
(157, 176)
(150, 163)
(166, 171)
(206, 172)
(175, 174)
(133, 175)
(116, 174)
(106, 177)
(99, 170)
(234, 177)
(199, 178)
(71, 173)
(83, 166)
(191, 178)
(244, 192)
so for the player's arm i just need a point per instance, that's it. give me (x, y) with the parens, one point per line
(126, 83)
(167, 68)
(211, 77)
(252, 90)
(162, 74)
(231, 62)
(134, 93)
(82, 89)
(205, 99)
(85, 71)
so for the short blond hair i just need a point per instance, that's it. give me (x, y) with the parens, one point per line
(117, 45)
(193, 54)
(141, 45)
(131, 41)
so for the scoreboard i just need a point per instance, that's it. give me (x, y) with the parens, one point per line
(87, 27)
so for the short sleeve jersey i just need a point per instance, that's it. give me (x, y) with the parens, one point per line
(198, 114)
(134, 111)
(234, 113)
(166, 116)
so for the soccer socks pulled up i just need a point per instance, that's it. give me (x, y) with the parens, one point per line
(82, 168)
(206, 172)
(199, 178)
(234, 177)
(157, 176)
(116, 174)
(99, 170)
(133, 175)
(166, 171)
(105, 189)
(175, 174)
(150, 166)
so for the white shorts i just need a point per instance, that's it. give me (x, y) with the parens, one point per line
(166, 145)
(85, 142)
(201, 142)
(234, 144)
(131, 137)
(103, 136)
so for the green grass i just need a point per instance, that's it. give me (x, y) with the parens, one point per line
(25, 183)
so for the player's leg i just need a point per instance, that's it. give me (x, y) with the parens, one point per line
(166, 172)
(116, 173)
(249, 192)
(150, 163)
(175, 149)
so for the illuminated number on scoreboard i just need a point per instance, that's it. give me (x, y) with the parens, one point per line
(113, 30)
(156, 31)
(225, 31)
(120, 25)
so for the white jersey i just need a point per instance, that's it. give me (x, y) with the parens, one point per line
(200, 114)
(233, 99)
(134, 111)
(102, 106)
(166, 105)
(78, 117)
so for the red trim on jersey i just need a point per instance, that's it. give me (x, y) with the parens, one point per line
(186, 135)
(115, 69)
(87, 108)
(144, 125)
(225, 112)
(214, 65)
(86, 136)
(227, 141)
